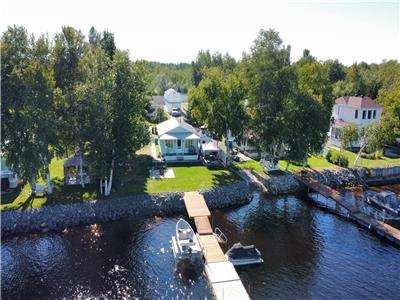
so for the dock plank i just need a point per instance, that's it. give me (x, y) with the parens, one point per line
(211, 250)
(203, 225)
(195, 205)
(230, 290)
(327, 192)
(221, 272)
(389, 232)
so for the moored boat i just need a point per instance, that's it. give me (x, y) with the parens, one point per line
(185, 244)
(240, 255)
(385, 200)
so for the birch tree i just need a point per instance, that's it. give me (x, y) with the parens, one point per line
(116, 128)
(69, 49)
(267, 77)
(27, 109)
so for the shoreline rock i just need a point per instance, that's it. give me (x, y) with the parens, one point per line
(287, 184)
(60, 217)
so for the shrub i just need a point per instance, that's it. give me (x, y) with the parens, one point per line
(337, 159)
(369, 155)
(328, 156)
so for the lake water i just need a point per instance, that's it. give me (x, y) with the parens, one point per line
(308, 254)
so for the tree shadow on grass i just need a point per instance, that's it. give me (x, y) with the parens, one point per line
(224, 178)
(134, 181)
(10, 197)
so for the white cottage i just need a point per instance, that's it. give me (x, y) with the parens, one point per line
(353, 110)
(178, 140)
(173, 99)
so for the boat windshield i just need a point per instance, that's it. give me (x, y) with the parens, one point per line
(240, 253)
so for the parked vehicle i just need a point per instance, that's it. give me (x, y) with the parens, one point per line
(240, 255)
(175, 112)
(385, 200)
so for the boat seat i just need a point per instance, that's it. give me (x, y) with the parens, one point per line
(184, 234)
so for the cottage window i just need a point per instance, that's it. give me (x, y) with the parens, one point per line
(369, 114)
(374, 115)
(189, 143)
(168, 144)
(364, 114)
(356, 114)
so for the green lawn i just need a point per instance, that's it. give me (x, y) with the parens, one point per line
(249, 165)
(363, 162)
(135, 181)
(21, 197)
(187, 178)
(317, 162)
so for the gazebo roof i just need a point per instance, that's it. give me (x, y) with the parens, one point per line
(72, 161)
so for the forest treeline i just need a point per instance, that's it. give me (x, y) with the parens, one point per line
(72, 94)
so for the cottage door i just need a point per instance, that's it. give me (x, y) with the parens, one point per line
(179, 146)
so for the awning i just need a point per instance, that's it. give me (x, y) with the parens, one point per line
(179, 136)
(193, 137)
(210, 146)
(167, 137)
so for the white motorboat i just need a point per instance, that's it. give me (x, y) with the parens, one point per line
(185, 244)
(240, 255)
(385, 200)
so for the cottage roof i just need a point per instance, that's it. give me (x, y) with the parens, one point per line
(357, 102)
(73, 161)
(170, 124)
(173, 96)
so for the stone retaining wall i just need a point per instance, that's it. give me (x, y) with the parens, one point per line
(59, 217)
(334, 178)
(286, 184)
(358, 176)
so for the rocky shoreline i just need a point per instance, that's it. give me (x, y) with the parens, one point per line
(59, 217)
(287, 184)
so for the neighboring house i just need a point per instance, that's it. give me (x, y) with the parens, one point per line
(155, 103)
(352, 110)
(171, 99)
(174, 99)
(178, 140)
(9, 179)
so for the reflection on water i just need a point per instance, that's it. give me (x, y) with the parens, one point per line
(307, 254)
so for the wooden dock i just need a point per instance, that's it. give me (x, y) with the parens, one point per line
(221, 273)
(382, 229)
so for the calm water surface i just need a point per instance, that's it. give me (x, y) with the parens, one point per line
(308, 254)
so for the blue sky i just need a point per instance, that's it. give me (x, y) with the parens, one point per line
(174, 31)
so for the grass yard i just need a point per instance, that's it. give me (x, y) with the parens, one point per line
(135, 181)
(249, 165)
(187, 178)
(314, 162)
(21, 198)
(318, 163)
(363, 162)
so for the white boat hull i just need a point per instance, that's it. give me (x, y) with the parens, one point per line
(243, 262)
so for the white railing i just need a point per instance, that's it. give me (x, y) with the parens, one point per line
(220, 236)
